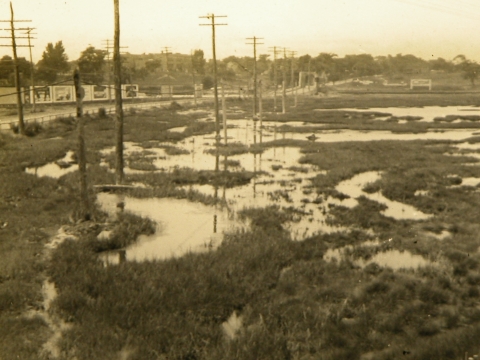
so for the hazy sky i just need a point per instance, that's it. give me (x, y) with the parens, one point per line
(426, 28)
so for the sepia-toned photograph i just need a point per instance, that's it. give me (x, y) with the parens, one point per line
(245, 180)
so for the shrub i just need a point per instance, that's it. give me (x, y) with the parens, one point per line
(174, 106)
(102, 113)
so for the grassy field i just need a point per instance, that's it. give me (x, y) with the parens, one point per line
(293, 302)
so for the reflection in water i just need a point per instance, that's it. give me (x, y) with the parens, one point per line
(354, 188)
(183, 226)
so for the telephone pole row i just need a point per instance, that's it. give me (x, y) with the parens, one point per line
(275, 52)
(254, 43)
(12, 21)
(215, 80)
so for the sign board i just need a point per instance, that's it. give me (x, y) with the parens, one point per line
(43, 94)
(129, 91)
(100, 92)
(87, 92)
(423, 83)
(166, 90)
(198, 90)
(63, 93)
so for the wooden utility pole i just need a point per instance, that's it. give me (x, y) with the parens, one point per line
(284, 82)
(12, 21)
(166, 53)
(33, 100)
(275, 78)
(117, 71)
(82, 159)
(215, 80)
(193, 78)
(108, 46)
(254, 43)
(292, 75)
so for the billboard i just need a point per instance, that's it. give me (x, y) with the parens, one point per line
(198, 90)
(100, 92)
(8, 95)
(87, 92)
(129, 91)
(43, 94)
(63, 93)
(423, 83)
(166, 90)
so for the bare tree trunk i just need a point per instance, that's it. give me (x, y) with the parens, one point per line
(82, 160)
(118, 98)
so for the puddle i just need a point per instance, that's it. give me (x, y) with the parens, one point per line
(393, 259)
(178, 129)
(183, 226)
(55, 169)
(397, 210)
(428, 113)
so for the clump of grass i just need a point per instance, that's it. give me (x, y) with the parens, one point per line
(126, 230)
(173, 150)
(31, 128)
(102, 113)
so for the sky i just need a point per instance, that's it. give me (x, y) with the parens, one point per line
(426, 28)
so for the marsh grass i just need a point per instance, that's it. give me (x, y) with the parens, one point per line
(294, 304)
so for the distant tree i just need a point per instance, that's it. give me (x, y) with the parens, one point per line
(470, 69)
(152, 65)
(54, 62)
(441, 64)
(198, 62)
(207, 82)
(7, 70)
(90, 64)
(305, 63)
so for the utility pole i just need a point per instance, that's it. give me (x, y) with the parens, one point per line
(284, 82)
(82, 160)
(32, 68)
(193, 78)
(21, 123)
(254, 43)
(292, 75)
(275, 78)
(166, 53)
(108, 45)
(117, 69)
(215, 81)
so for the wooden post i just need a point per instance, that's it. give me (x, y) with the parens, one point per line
(21, 124)
(194, 88)
(224, 114)
(283, 97)
(296, 100)
(82, 160)
(31, 72)
(118, 98)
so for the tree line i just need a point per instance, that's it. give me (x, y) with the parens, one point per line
(55, 66)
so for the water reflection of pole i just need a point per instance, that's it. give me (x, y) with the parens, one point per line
(122, 256)
(260, 108)
(215, 194)
(254, 175)
(224, 114)
(224, 183)
(274, 139)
